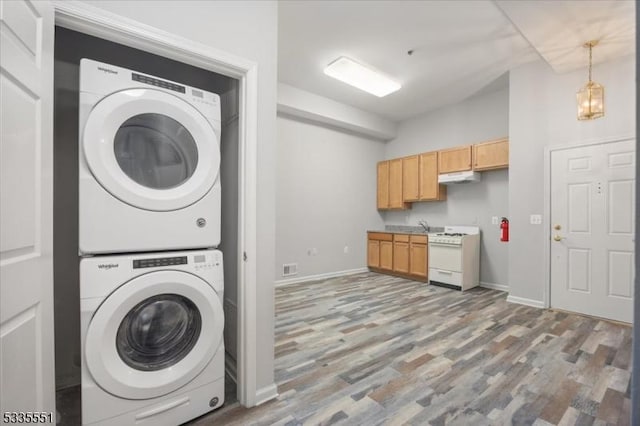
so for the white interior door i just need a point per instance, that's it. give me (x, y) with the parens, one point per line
(592, 229)
(26, 207)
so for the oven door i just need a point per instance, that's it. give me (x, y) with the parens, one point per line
(447, 257)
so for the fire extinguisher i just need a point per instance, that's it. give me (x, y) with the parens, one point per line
(504, 229)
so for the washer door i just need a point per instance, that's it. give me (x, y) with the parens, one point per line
(151, 149)
(154, 334)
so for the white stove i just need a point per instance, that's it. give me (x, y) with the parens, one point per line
(454, 257)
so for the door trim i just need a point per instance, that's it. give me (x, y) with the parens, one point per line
(97, 22)
(546, 217)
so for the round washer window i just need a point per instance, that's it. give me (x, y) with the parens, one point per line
(158, 332)
(155, 151)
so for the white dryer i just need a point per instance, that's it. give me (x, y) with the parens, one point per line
(149, 163)
(152, 347)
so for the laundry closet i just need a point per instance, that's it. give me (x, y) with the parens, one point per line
(145, 234)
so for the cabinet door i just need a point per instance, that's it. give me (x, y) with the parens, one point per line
(418, 260)
(491, 155)
(383, 185)
(401, 257)
(373, 254)
(386, 255)
(454, 159)
(395, 184)
(410, 178)
(430, 189)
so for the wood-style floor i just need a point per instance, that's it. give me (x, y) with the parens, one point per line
(373, 349)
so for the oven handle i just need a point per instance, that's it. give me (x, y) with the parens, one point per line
(440, 271)
(445, 244)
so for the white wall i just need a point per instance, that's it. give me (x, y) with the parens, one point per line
(543, 113)
(477, 119)
(306, 105)
(326, 197)
(248, 29)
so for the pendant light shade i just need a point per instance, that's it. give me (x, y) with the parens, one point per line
(591, 97)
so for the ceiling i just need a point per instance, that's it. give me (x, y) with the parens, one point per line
(459, 47)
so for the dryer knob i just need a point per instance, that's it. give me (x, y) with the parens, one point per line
(201, 222)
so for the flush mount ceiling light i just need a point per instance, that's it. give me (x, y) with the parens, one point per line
(591, 96)
(361, 76)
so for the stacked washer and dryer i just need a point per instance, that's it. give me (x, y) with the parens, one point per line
(151, 280)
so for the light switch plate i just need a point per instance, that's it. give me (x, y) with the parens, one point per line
(536, 219)
(495, 220)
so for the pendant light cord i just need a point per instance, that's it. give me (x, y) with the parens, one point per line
(590, 48)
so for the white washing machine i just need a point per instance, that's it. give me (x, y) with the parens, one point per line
(151, 328)
(149, 163)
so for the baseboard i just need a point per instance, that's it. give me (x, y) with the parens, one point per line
(494, 286)
(525, 301)
(230, 368)
(266, 394)
(297, 280)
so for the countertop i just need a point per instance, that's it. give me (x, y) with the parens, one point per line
(406, 229)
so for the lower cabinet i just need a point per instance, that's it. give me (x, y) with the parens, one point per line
(400, 254)
(418, 256)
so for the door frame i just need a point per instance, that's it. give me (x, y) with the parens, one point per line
(546, 217)
(93, 21)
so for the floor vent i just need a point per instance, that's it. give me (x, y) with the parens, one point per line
(289, 269)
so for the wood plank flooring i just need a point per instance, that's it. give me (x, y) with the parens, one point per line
(372, 349)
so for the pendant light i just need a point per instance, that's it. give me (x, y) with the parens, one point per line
(591, 97)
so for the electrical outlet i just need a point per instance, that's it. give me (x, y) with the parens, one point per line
(346, 249)
(314, 251)
(495, 220)
(536, 219)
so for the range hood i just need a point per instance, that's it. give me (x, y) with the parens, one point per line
(459, 177)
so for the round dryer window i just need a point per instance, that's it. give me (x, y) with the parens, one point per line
(155, 151)
(151, 149)
(154, 334)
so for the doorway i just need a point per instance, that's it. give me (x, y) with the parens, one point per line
(592, 220)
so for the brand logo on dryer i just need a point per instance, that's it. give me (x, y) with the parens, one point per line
(108, 265)
(107, 70)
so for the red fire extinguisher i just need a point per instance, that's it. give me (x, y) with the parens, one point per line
(504, 229)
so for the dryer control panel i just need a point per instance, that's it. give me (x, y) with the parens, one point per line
(159, 261)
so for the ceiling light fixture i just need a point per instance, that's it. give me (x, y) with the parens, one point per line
(361, 76)
(591, 96)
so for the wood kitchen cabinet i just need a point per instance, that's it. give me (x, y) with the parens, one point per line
(455, 159)
(429, 188)
(383, 185)
(380, 250)
(411, 178)
(398, 254)
(418, 252)
(491, 155)
(401, 253)
(389, 194)
(395, 184)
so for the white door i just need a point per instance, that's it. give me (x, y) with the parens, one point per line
(592, 229)
(26, 207)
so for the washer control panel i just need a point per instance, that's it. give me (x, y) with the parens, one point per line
(207, 261)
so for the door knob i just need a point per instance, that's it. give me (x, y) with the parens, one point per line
(557, 238)
(556, 227)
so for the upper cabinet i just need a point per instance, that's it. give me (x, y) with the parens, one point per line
(390, 185)
(410, 183)
(429, 188)
(491, 155)
(383, 185)
(454, 159)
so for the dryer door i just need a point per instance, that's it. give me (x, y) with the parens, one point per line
(151, 149)
(154, 334)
